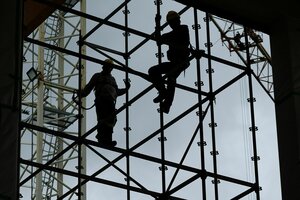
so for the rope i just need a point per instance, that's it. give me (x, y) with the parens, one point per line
(74, 98)
(246, 136)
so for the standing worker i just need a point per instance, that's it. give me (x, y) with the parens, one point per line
(106, 92)
(178, 41)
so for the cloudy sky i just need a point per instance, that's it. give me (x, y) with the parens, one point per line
(232, 114)
(231, 110)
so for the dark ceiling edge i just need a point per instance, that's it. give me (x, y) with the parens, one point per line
(234, 17)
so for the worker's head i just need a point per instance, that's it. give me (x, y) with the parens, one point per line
(173, 18)
(107, 66)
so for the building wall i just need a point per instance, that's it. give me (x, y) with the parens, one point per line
(10, 77)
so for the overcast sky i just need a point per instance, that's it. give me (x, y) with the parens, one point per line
(232, 114)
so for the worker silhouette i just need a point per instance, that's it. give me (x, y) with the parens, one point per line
(237, 39)
(106, 92)
(178, 41)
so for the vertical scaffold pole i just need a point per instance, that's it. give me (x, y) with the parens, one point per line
(211, 102)
(60, 105)
(40, 113)
(162, 135)
(32, 121)
(79, 120)
(253, 128)
(83, 100)
(127, 129)
(200, 109)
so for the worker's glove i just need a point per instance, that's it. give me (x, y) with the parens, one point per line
(127, 83)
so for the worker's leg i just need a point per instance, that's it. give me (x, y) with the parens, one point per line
(105, 109)
(155, 74)
(171, 83)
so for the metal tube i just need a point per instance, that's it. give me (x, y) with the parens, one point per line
(60, 102)
(253, 126)
(200, 109)
(126, 12)
(79, 194)
(82, 77)
(162, 135)
(40, 112)
(211, 99)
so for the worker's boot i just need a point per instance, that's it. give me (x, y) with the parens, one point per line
(108, 144)
(106, 140)
(161, 96)
(165, 107)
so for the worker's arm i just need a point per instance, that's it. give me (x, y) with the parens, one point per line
(89, 87)
(178, 37)
(123, 90)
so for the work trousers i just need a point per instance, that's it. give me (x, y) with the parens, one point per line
(172, 71)
(106, 117)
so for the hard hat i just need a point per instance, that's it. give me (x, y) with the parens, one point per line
(109, 61)
(107, 64)
(172, 15)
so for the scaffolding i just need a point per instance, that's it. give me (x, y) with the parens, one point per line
(60, 158)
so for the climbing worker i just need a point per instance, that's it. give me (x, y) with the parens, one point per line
(106, 92)
(178, 41)
(237, 39)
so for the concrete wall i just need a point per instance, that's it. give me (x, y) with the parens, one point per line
(285, 43)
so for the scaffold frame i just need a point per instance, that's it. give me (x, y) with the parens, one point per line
(75, 144)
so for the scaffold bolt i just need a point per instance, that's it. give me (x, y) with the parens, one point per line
(125, 179)
(210, 125)
(126, 34)
(197, 83)
(255, 159)
(255, 128)
(126, 12)
(128, 79)
(202, 112)
(205, 19)
(198, 26)
(214, 153)
(158, 1)
(77, 66)
(210, 44)
(127, 129)
(159, 139)
(202, 144)
(217, 182)
(210, 70)
(81, 167)
(251, 99)
(157, 54)
(165, 168)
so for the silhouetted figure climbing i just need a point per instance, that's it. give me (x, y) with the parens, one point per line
(178, 41)
(237, 39)
(106, 93)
